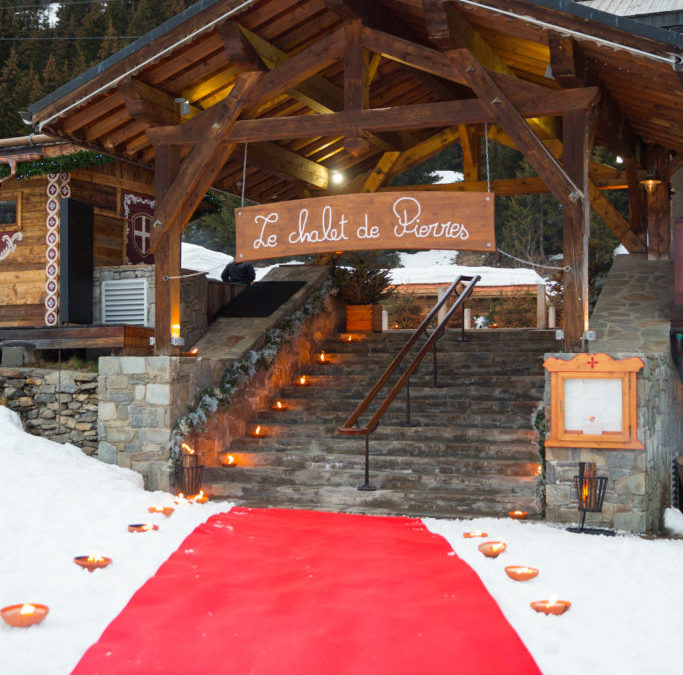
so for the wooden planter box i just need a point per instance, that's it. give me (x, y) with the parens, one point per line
(363, 318)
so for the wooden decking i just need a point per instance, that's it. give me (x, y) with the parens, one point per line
(128, 340)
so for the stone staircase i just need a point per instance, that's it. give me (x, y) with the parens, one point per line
(471, 449)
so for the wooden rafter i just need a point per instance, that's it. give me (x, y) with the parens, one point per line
(471, 150)
(508, 116)
(426, 115)
(279, 160)
(379, 174)
(199, 169)
(149, 104)
(238, 49)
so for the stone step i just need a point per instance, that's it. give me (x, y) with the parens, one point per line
(436, 503)
(385, 432)
(448, 469)
(426, 417)
(525, 449)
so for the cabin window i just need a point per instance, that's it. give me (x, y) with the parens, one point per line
(8, 212)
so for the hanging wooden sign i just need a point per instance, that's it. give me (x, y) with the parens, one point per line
(357, 222)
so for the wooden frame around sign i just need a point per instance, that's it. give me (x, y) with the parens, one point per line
(598, 367)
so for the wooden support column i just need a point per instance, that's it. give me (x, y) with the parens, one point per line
(355, 85)
(471, 150)
(577, 144)
(166, 257)
(658, 206)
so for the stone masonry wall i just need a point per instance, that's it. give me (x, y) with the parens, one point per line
(59, 405)
(140, 399)
(638, 485)
(258, 393)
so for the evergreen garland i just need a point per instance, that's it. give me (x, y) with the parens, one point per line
(82, 159)
(242, 371)
(62, 164)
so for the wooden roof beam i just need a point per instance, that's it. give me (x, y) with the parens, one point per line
(238, 49)
(290, 165)
(356, 95)
(203, 164)
(148, 104)
(424, 115)
(449, 29)
(508, 116)
(571, 69)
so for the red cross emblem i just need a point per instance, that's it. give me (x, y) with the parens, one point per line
(592, 363)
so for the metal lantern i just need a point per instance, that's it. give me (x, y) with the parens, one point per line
(590, 491)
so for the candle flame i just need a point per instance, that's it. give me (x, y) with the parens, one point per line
(302, 380)
(194, 351)
(27, 608)
(539, 469)
(95, 558)
(147, 526)
(518, 513)
(497, 547)
(230, 459)
(349, 339)
(188, 449)
(279, 404)
(258, 430)
(322, 357)
(552, 600)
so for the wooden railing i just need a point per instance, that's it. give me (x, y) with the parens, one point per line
(352, 427)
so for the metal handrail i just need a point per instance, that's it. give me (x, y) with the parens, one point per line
(351, 426)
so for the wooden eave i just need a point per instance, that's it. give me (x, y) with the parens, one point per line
(647, 92)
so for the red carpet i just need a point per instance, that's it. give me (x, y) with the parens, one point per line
(279, 592)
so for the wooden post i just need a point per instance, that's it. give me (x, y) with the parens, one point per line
(166, 257)
(658, 206)
(577, 136)
(540, 306)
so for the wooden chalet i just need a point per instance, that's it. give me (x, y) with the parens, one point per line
(307, 88)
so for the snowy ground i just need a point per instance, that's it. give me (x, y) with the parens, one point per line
(57, 503)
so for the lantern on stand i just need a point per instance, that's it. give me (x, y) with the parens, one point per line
(590, 491)
(192, 470)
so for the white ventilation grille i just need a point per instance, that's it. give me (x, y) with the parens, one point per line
(124, 301)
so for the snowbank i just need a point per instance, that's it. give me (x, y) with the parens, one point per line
(58, 503)
(625, 591)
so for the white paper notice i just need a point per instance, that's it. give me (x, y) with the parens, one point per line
(592, 406)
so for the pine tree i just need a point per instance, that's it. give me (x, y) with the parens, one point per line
(10, 75)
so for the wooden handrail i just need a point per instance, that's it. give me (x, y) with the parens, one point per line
(348, 427)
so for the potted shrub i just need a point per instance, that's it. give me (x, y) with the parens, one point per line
(363, 281)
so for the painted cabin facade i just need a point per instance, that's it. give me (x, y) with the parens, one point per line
(121, 196)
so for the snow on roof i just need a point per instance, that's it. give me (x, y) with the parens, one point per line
(634, 7)
(435, 267)
(200, 259)
(449, 177)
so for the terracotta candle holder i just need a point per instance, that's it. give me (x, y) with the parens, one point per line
(92, 562)
(22, 616)
(259, 432)
(142, 527)
(191, 352)
(474, 534)
(280, 406)
(521, 572)
(551, 606)
(166, 510)
(518, 515)
(228, 460)
(199, 498)
(492, 549)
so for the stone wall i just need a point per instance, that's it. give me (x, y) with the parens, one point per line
(631, 318)
(258, 393)
(59, 405)
(140, 399)
(638, 485)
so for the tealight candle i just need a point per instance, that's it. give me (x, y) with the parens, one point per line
(228, 460)
(166, 510)
(302, 381)
(24, 615)
(518, 515)
(258, 432)
(142, 527)
(551, 606)
(199, 498)
(279, 405)
(475, 533)
(191, 352)
(323, 358)
(521, 572)
(492, 549)
(92, 562)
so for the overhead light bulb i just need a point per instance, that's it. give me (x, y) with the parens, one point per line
(337, 177)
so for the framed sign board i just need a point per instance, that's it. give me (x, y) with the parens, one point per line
(593, 402)
(366, 221)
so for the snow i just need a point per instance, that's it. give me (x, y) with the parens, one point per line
(58, 503)
(200, 259)
(449, 177)
(627, 602)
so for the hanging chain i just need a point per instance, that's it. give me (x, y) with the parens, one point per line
(488, 167)
(244, 172)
